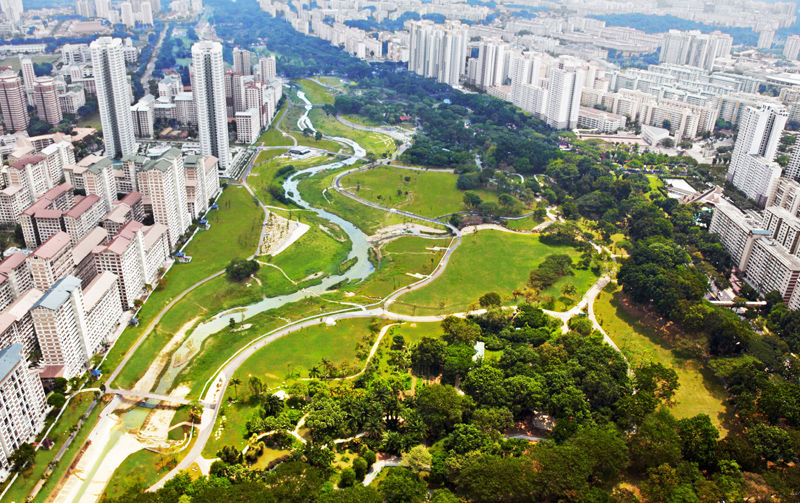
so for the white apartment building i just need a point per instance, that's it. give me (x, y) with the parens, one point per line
(737, 232)
(143, 116)
(694, 48)
(267, 68)
(185, 111)
(202, 183)
(71, 323)
(51, 261)
(248, 126)
(752, 169)
(16, 323)
(209, 97)
(600, 120)
(241, 61)
(72, 99)
(113, 96)
(98, 179)
(564, 93)
(170, 86)
(792, 47)
(16, 270)
(162, 182)
(772, 267)
(22, 404)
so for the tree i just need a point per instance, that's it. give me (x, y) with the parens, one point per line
(460, 331)
(241, 269)
(667, 142)
(440, 407)
(772, 443)
(230, 455)
(347, 478)
(418, 459)
(472, 200)
(24, 455)
(656, 442)
(490, 299)
(485, 385)
(657, 380)
(56, 400)
(699, 441)
(360, 468)
(235, 382)
(256, 386)
(402, 485)
(355, 494)
(428, 356)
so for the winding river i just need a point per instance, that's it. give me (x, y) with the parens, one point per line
(134, 419)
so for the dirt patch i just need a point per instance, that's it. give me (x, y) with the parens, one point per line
(150, 377)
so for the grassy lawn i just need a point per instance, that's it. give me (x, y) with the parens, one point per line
(286, 359)
(14, 63)
(266, 167)
(331, 81)
(481, 265)
(428, 193)
(316, 93)
(235, 229)
(142, 468)
(523, 224)
(321, 249)
(365, 218)
(291, 357)
(399, 257)
(91, 120)
(655, 182)
(360, 119)
(71, 453)
(33, 474)
(699, 392)
(374, 143)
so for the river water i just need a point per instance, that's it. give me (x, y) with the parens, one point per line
(361, 269)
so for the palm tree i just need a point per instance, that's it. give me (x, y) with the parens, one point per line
(235, 382)
(314, 372)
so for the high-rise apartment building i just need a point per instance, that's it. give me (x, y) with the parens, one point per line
(752, 169)
(564, 93)
(113, 96)
(45, 99)
(12, 9)
(694, 48)
(163, 182)
(267, 67)
(791, 48)
(209, 98)
(241, 61)
(438, 51)
(22, 403)
(71, 323)
(13, 104)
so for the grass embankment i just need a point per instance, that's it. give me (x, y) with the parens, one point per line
(400, 258)
(33, 473)
(369, 220)
(374, 143)
(265, 169)
(427, 193)
(316, 94)
(699, 392)
(141, 469)
(287, 359)
(332, 81)
(235, 230)
(296, 110)
(492, 261)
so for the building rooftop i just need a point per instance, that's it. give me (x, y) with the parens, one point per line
(9, 358)
(55, 297)
(12, 262)
(85, 246)
(11, 190)
(83, 206)
(52, 246)
(131, 198)
(152, 234)
(26, 160)
(99, 166)
(24, 303)
(95, 291)
(118, 213)
(89, 160)
(56, 191)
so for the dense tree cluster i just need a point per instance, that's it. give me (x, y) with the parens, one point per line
(240, 269)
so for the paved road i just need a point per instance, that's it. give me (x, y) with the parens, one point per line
(148, 71)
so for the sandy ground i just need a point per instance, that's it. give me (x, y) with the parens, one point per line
(150, 377)
(155, 429)
(103, 464)
(280, 233)
(403, 229)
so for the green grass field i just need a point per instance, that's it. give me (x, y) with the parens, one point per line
(360, 119)
(331, 81)
(699, 392)
(13, 61)
(316, 93)
(374, 143)
(142, 468)
(398, 258)
(266, 166)
(285, 360)
(235, 229)
(483, 258)
(365, 218)
(33, 474)
(428, 193)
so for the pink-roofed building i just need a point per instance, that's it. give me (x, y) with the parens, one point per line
(6, 298)
(42, 219)
(13, 199)
(51, 261)
(16, 323)
(83, 258)
(16, 268)
(31, 172)
(83, 217)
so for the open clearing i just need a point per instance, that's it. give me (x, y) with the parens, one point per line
(699, 393)
(483, 257)
(428, 193)
(316, 93)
